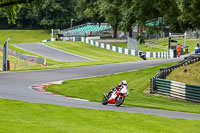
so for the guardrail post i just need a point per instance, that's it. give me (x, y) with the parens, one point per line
(5, 56)
(153, 85)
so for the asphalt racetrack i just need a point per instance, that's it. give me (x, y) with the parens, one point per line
(51, 53)
(18, 86)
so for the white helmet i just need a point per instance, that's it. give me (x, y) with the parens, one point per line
(124, 82)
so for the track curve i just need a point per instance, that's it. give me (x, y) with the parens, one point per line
(17, 85)
(51, 53)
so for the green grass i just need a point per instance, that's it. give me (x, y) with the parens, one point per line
(139, 80)
(22, 117)
(189, 74)
(24, 36)
(161, 42)
(101, 55)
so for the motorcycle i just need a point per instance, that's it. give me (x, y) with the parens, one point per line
(115, 96)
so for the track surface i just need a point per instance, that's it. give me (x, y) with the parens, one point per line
(51, 53)
(16, 86)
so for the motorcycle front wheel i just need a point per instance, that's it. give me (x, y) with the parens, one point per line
(119, 101)
(104, 101)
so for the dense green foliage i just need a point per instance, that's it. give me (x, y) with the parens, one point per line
(43, 14)
(110, 9)
(52, 13)
(179, 15)
(12, 7)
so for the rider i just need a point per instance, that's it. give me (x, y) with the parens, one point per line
(121, 85)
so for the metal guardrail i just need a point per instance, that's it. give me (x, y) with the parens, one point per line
(26, 57)
(178, 90)
(124, 50)
(156, 85)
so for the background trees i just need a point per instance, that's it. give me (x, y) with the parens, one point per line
(189, 14)
(52, 13)
(12, 7)
(179, 15)
(38, 14)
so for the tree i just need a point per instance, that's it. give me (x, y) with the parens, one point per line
(189, 14)
(145, 10)
(88, 10)
(127, 10)
(5, 3)
(170, 13)
(53, 13)
(110, 9)
(12, 7)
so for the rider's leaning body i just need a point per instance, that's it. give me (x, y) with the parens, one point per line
(120, 86)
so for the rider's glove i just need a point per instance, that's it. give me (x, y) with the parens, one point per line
(113, 89)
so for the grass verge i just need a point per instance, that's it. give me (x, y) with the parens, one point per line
(92, 52)
(22, 117)
(189, 74)
(139, 80)
(24, 36)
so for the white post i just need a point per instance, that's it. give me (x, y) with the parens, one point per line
(185, 34)
(71, 22)
(51, 33)
(5, 56)
(169, 44)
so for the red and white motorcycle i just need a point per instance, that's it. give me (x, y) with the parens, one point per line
(115, 96)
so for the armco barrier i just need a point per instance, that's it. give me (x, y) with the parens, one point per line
(176, 89)
(124, 50)
(26, 57)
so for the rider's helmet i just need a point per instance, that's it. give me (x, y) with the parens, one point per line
(124, 82)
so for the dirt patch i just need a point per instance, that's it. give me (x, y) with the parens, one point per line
(147, 91)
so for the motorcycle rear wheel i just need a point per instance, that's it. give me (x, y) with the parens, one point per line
(119, 101)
